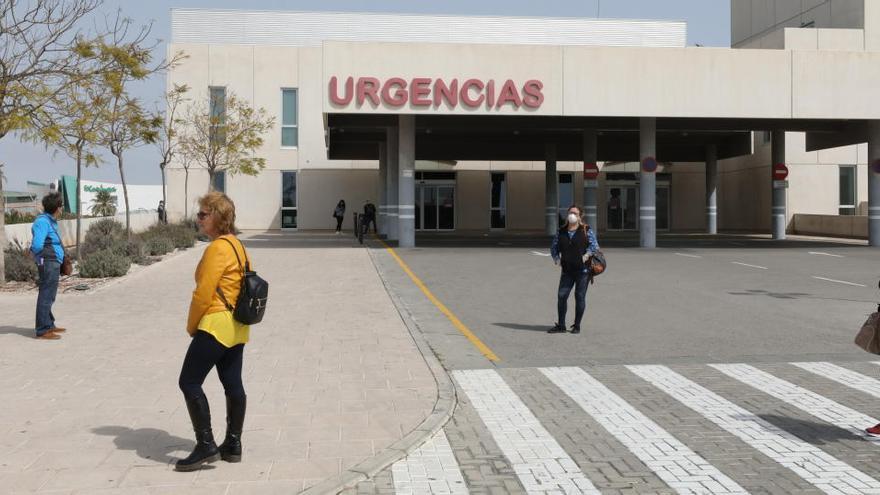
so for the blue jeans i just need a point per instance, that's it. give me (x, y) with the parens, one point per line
(567, 281)
(49, 271)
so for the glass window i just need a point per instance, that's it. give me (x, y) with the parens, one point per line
(219, 181)
(498, 201)
(289, 118)
(288, 200)
(217, 109)
(847, 190)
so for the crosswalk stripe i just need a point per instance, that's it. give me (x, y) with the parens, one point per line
(672, 461)
(814, 465)
(540, 463)
(843, 376)
(810, 402)
(431, 468)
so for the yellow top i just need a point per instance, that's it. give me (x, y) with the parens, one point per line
(218, 268)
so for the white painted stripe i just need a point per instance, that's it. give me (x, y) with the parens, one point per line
(875, 208)
(649, 208)
(671, 460)
(844, 377)
(810, 402)
(538, 253)
(748, 265)
(873, 217)
(809, 462)
(647, 218)
(591, 208)
(406, 217)
(540, 463)
(818, 253)
(688, 255)
(430, 469)
(406, 207)
(839, 281)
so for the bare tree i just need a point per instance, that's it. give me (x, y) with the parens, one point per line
(185, 163)
(169, 132)
(38, 41)
(224, 135)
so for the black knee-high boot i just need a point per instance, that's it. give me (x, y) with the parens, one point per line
(230, 449)
(206, 450)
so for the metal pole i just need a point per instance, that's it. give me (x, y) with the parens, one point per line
(647, 183)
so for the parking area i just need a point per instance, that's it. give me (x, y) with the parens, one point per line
(694, 299)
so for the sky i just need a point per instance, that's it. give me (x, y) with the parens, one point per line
(708, 24)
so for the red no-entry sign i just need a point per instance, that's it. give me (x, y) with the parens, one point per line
(780, 171)
(591, 171)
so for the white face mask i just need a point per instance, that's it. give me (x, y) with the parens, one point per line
(572, 218)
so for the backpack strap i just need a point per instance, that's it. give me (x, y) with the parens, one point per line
(244, 268)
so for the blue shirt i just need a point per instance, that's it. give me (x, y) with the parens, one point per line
(46, 226)
(592, 244)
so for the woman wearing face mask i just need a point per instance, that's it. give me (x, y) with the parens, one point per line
(571, 246)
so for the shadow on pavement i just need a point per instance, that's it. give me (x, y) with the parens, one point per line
(811, 432)
(148, 443)
(24, 332)
(793, 295)
(518, 326)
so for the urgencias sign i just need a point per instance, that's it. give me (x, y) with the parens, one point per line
(425, 92)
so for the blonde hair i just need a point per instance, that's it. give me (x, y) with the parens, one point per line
(223, 210)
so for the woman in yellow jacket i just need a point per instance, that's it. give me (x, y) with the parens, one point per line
(217, 339)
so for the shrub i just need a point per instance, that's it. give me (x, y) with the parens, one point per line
(137, 250)
(180, 235)
(20, 266)
(15, 216)
(105, 234)
(157, 246)
(104, 263)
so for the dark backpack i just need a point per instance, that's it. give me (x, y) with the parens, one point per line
(254, 293)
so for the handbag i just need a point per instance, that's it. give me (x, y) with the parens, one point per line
(251, 304)
(868, 337)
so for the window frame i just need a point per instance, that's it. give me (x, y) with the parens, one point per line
(295, 208)
(853, 208)
(212, 132)
(219, 173)
(502, 209)
(296, 118)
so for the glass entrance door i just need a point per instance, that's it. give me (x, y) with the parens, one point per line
(623, 208)
(435, 207)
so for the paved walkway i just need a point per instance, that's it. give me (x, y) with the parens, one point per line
(332, 375)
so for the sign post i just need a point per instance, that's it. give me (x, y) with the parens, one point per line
(780, 173)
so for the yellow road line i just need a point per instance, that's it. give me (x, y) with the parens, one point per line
(483, 348)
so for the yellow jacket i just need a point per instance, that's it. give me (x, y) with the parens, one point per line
(218, 268)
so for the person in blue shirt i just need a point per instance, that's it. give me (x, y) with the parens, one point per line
(48, 252)
(571, 247)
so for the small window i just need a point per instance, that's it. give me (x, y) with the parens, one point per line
(219, 181)
(847, 190)
(498, 201)
(217, 110)
(288, 200)
(289, 119)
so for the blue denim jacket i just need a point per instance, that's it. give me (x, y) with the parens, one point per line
(592, 244)
(45, 226)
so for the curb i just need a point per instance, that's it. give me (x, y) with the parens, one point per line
(440, 415)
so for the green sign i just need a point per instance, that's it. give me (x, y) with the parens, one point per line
(95, 189)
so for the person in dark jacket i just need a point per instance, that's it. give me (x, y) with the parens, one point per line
(571, 247)
(370, 215)
(48, 253)
(339, 215)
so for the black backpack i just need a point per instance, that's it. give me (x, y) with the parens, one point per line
(254, 293)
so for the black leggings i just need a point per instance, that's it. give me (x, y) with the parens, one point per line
(203, 354)
(338, 224)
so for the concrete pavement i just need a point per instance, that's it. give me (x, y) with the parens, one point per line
(333, 377)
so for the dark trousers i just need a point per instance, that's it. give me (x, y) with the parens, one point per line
(205, 353)
(339, 224)
(567, 281)
(50, 272)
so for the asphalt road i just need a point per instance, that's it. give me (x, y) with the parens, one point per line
(692, 300)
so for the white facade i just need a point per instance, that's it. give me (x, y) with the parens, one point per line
(598, 72)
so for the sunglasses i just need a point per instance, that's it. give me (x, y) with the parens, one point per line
(202, 215)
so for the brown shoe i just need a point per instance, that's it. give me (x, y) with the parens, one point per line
(57, 330)
(49, 336)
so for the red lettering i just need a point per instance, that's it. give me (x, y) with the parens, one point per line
(420, 88)
(368, 87)
(532, 95)
(465, 94)
(334, 91)
(449, 93)
(398, 99)
(490, 94)
(509, 93)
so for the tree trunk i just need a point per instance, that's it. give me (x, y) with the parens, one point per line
(125, 194)
(78, 205)
(2, 231)
(210, 180)
(185, 194)
(164, 199)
